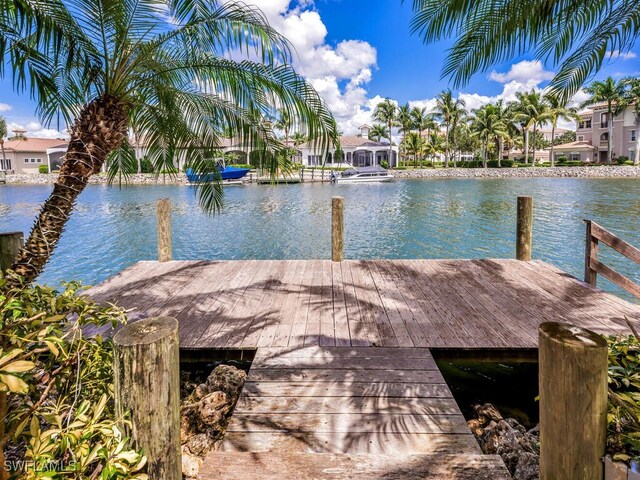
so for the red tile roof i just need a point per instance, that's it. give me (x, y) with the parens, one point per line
(34, 144)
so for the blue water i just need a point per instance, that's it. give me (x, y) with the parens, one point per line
(449, 218)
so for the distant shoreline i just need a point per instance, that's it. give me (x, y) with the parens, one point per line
(613, 171)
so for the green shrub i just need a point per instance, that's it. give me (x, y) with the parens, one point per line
(426, 164)
(384, 164)
(622, 160)
(522, 165)
(469, 164)
(43, 169)
(401, 168)
(561, 159)
(503, 163)
(58, 387)
(246, 165)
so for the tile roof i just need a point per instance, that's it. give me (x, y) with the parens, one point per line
(34, 144)
(574, 145)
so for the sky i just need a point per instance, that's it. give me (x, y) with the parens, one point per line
(358, 52)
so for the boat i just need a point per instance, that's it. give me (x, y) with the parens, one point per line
(228, 174)
(364, 175)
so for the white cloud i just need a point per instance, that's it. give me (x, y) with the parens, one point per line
(35, 130)
(617, 54)
(5, 107)
(523, 72)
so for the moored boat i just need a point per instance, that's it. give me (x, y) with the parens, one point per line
(364, 175)
(226, 173)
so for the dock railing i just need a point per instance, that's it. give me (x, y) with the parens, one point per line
(593, 266)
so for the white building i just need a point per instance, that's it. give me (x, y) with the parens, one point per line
(357, 150)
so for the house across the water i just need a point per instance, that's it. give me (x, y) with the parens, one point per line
(25, 155)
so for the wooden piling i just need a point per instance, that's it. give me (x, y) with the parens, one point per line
(147, 385)
(164, 230)
(524, 230)
(590, 251)
(337, 229)
(573, 402)
(10, 245)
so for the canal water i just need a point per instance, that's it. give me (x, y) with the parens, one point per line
(444, 218)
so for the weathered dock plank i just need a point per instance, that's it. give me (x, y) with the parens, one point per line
(384, 303)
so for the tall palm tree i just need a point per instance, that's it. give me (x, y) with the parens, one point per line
(298, 138)
(3, 133)
(558, 110)
(435, 144)
(574, 34)
(159, 67)
(532, 112)
(487, 126)
(414, 145)
(386, 113)
(613, 94)
(404, 120)
(633, 99)
(504, 116)
(284, 122)
(378, 132)
(449, 111)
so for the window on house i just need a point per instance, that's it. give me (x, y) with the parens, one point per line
(604, 120)
(581, 138)
(633, 135)
(574, 156)
(588, 124)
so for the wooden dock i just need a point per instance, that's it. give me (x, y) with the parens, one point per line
(343, 384)
(250, 304)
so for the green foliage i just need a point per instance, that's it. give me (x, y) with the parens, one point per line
(384, 164)
(57, 388)
(240, 165)
(622, 160)
(566, 137)
(623, 416)
(562, 159)
(43, 169)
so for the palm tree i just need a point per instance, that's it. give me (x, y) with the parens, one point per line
(434, 145)
(558, 110)
(504, 116)
(633, 99)
(298, 138)
(613, 94)
(487, 126)
(414, 145)
(378, 132)
(531, 112)
(3, 133)
(574, 34)
(449, 111)
(386, 113)
(404, 120)
(111, 68)
(284, 122)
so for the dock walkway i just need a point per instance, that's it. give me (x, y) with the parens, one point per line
(343, 384)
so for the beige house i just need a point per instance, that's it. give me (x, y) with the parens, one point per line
(592, 133)
(25, 155)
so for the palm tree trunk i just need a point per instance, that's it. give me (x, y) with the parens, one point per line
(500, 148)
(535, 130)
(390, 146)
(609, 135)
(526, 146)
(100, 129)
(446, 148)
(636, 157)
(553, 131)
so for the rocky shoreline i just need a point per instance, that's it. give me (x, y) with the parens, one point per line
(613, 171)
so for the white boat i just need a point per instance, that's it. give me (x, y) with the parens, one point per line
(364, 175)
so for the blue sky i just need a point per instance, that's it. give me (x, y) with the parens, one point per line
(356, 52)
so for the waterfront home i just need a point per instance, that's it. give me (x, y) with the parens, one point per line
(25, 155)
(592, 134)
(357, 150)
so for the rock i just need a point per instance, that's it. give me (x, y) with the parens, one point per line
(518, 448)
(200, 444)
(487, 411)
(190, 464)
(227, 379)
(201, 391)
(528, 467)
(213, 409)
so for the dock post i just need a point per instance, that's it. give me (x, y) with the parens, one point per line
(573, 402)
(590, 251)
(164, 230)
(147, 385)
(524, 231)
(337, 229)
(10, 245)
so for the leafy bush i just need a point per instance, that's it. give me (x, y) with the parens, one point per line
(56, 388)
(623, 416)
(384, 164)
(622, 160)
(470, 164)
(43, 169)
(562, 159)
(503, 163)
(426, 164)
